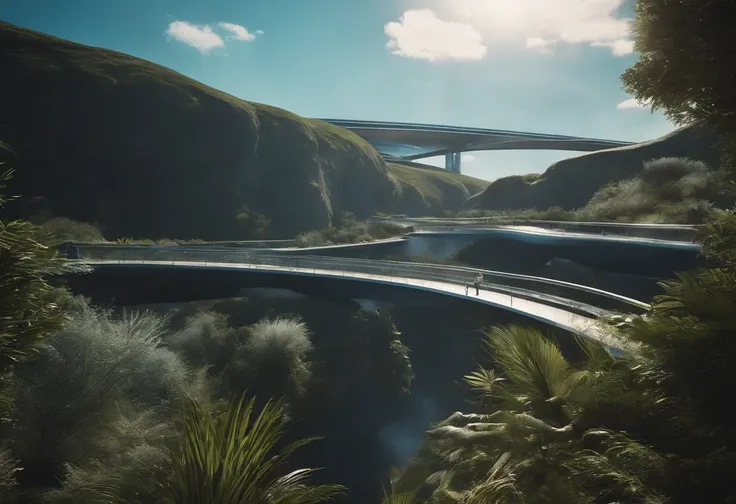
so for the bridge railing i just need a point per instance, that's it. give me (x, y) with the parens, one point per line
(584, 298)
(245, 244)
(673, 232)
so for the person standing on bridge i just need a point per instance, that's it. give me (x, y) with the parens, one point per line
(71, 250)
(476, 283)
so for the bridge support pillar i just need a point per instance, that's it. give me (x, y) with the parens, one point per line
(452, 162)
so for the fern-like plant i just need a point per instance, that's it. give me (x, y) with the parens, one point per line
(235, 458)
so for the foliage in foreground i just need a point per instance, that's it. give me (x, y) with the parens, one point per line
(646, 428)
(270, 356)
(233, 457)
(236, 455)
(89, 399)
(27, 310)
(122, 419)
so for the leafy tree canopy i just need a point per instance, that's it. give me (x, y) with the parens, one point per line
(685, 66)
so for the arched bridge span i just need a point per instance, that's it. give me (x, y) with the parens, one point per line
(572, 307)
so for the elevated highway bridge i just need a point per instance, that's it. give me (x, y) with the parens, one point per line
(404, 142)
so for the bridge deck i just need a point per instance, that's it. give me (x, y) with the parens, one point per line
(559, 235)
(584, 326)
(415, 141)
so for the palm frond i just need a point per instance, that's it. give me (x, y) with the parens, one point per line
(531, 362)
(399, 498)
(597, 357)
(233, 457)
(483, 381)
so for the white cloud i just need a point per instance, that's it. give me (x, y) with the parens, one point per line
(202, 38)
(618, 47)
(541, 23)
(632, 103)
(260, 32)
(538, 43)
(239, 32)
(421, 34)
(468, 158)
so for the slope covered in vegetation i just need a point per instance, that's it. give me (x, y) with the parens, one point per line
(667, 190)
(572, 182)
(143, 151)
(421, 191)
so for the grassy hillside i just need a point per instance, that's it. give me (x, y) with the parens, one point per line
(572, 182)
(668, 190)
(428, 191)
(146, 151)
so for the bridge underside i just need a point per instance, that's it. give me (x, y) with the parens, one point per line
(407, 142)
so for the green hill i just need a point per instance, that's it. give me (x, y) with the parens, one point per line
(572, 182)
(428, 191)
(144, 151)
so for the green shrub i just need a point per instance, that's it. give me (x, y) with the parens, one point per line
(275, 357)
(166, 242)
(191, 242)
(312, 238)
(270, 357)
(668, 190)
(207, 340)
(26, 316)
(98, 388)
(29, 312)
(133, 476)
(349, 230)
(63, 230)
(383, 230)
(253, 225)
(555, 214)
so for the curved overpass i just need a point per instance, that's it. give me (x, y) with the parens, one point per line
(409, 141)
(571, 307)
(686, 233)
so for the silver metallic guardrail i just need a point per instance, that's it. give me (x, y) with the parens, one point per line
(536, 222)
(584, 298)
(678, 232)
(252, 244)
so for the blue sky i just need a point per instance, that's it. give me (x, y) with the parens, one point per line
(480, 63)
